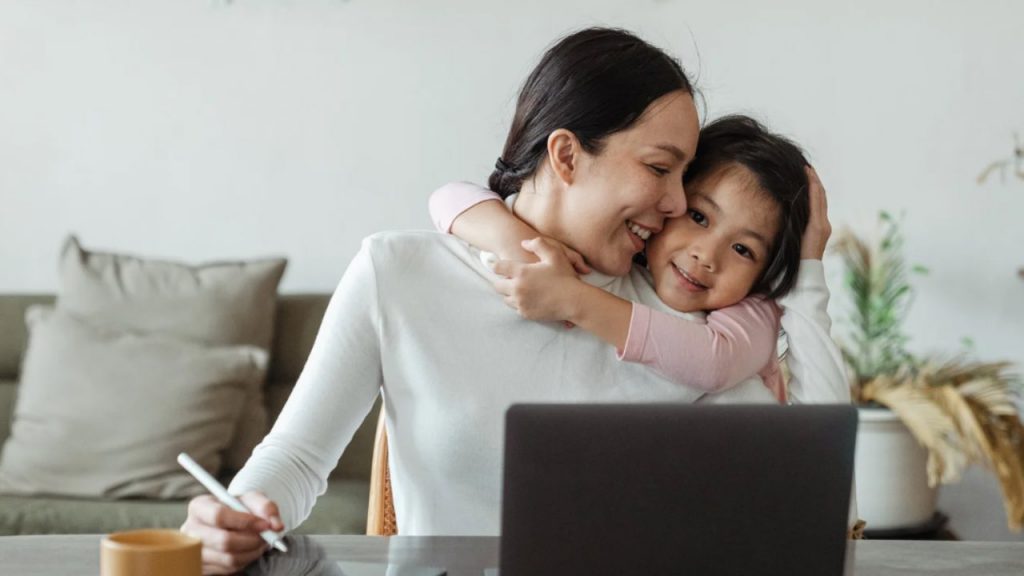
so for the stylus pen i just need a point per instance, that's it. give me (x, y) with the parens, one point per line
(215, 488)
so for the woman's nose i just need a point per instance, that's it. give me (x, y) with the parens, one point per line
(673, 203)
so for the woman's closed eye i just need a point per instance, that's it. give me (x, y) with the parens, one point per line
(659, 170)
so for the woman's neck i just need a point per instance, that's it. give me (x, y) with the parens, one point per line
(540, 207)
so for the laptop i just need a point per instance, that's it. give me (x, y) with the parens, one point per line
(676, 489)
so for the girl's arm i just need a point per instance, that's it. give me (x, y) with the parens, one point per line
(551, 290)
(733, 346)
(736, 343)
(481, 218)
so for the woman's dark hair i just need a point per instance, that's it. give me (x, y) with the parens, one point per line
(777, 165)
(594, 83)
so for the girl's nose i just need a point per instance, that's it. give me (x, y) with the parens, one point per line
(702, 256)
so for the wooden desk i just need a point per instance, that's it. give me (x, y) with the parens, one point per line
(53, 555)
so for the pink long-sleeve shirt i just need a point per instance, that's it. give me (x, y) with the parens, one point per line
(736, 342)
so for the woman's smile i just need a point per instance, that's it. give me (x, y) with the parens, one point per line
(638, 234)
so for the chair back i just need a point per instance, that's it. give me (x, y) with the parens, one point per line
(380, 517)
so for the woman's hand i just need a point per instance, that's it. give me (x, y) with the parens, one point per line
(546, 290)
(812, 245)
(231, 539)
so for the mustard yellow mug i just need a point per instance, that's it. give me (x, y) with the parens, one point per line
(150, 552)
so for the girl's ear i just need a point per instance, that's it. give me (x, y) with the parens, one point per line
(563, 155)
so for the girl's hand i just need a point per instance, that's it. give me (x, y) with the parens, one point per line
(231, 540)
(575, 258)
(812, 245)
(545, 291)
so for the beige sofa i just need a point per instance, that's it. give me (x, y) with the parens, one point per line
(342, 510)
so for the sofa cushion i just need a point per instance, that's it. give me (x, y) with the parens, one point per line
(89, 423)
(341, 510)
(222, 303)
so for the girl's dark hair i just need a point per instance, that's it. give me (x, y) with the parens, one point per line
(594, 83)
(777, 165)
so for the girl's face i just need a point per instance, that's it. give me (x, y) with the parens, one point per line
(711, 257)
(623, 194)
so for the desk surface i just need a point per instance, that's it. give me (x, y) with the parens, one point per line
(52, 555)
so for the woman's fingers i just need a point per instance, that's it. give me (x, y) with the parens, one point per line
(207, 510)
(216, 562)
(263, 507)
(819, 229)
(819, 200)
(231, 539)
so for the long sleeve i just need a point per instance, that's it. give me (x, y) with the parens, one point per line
(815, 362)
(454, 198)
(735, 344)
(333, 395)
(818, 372)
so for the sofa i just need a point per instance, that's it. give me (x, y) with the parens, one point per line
(341, 510)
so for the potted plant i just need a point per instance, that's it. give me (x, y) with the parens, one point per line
(922, 420)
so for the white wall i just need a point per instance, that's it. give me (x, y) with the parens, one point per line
(207, 129)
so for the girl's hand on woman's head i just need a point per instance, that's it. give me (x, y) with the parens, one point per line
(544, 291)
(231, 539)
(812, 245)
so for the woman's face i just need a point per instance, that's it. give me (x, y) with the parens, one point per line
(623, 194)
(711, 257)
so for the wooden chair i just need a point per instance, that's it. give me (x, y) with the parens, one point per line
(380, 517)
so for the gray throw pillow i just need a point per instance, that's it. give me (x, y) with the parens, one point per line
(219, 303)
(89, 423)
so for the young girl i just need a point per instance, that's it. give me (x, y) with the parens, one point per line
(736, 249)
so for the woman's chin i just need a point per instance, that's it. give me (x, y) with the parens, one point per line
(617, 268)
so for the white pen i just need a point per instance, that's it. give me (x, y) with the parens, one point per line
(221, 493)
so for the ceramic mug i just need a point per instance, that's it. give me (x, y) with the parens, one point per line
(150, 552)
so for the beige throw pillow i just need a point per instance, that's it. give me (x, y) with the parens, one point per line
(221, 303)
(89, 423)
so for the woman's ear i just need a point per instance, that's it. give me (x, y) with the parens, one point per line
(563, 155)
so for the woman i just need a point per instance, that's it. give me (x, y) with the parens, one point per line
(416, 319)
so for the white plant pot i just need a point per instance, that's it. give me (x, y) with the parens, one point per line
(892, 474)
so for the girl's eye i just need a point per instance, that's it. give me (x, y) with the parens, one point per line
(697, 217)
(743, 251)
(658, 170)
